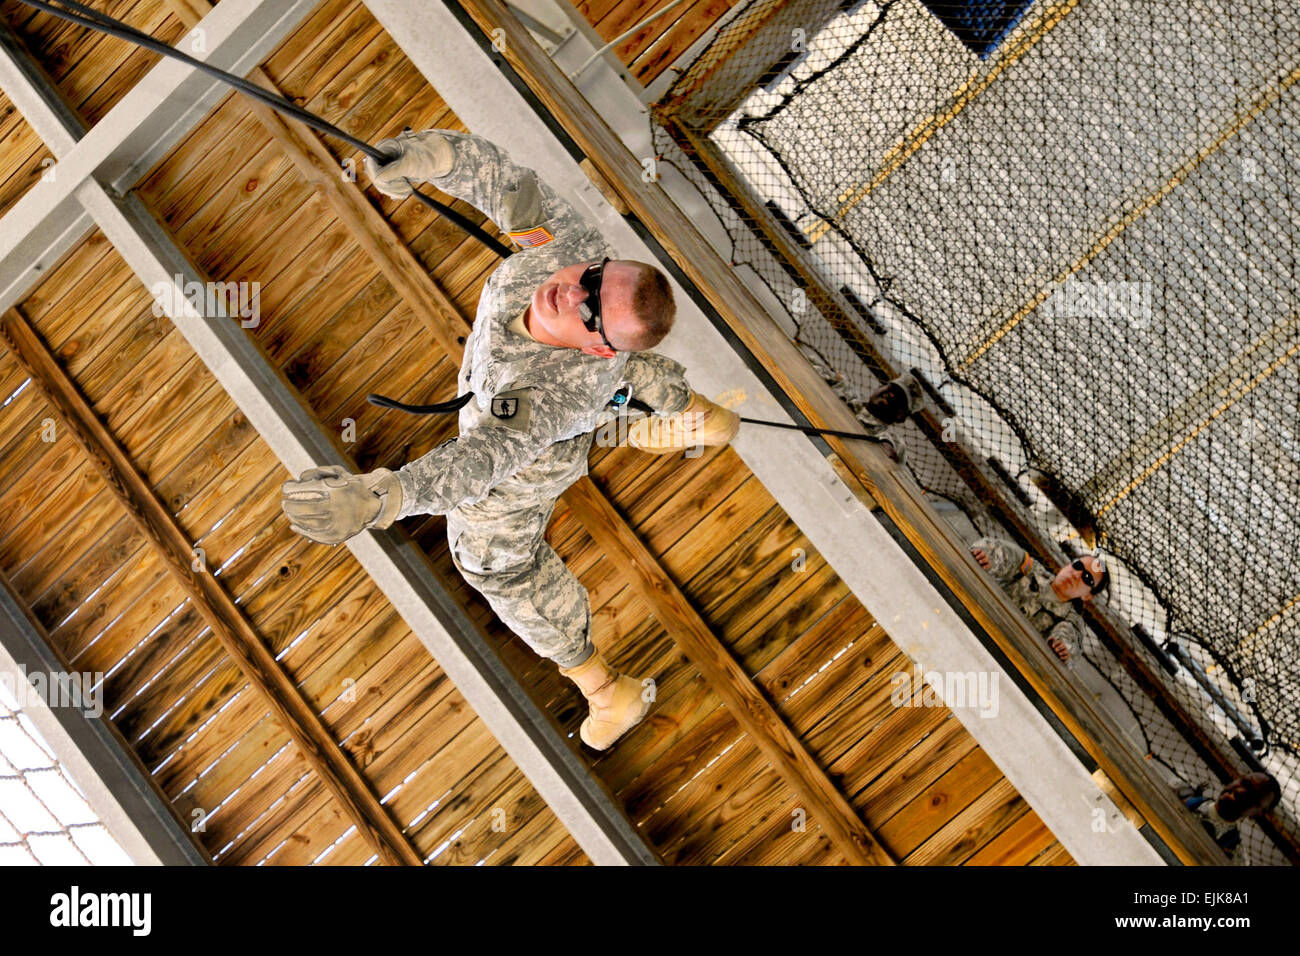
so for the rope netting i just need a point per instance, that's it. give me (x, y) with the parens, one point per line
(1085, 241)
(44, 818)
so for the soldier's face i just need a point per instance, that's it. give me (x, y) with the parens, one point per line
(1069, 581)
(553, 315)
(1246, 796)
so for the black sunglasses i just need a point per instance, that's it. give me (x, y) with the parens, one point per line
(589, 308)
(1084, 573)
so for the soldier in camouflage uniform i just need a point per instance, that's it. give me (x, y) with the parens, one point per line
(562, 327)
(1244, 798)
(1044, 598)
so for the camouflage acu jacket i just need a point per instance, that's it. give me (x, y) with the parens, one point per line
(1029, 585)
(534, 405)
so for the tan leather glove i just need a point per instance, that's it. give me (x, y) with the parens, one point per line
(330, 504)
(416, 157)
(701, 423)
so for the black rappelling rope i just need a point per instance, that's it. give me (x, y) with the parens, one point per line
(810, 430)
(92, 19)
(437, 408)
(455, 404)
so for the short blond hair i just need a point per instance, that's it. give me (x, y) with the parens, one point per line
(654, 308)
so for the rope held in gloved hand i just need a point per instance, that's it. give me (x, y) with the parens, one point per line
(810, 430)
(456, 404)
(92, 19)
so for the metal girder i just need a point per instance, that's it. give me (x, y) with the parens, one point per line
(149, 120)
(53, 230)
(170, 100)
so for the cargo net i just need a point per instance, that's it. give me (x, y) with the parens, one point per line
(44, 819)
(1086, 242)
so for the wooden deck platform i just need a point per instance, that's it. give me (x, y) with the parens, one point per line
(691, 777)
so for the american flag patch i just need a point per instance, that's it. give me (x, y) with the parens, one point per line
(537, 236)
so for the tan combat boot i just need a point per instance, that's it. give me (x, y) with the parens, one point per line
(615, 701)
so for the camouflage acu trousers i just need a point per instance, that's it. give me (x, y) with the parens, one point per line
(498, 545)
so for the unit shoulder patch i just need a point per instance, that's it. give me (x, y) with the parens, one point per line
(512, 408)
(505, 407)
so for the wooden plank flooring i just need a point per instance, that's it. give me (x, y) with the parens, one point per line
(689, 776)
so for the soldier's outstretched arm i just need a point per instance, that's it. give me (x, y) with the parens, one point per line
(478, 171)
(330, 505)
(658, 381)
(1069, 632)
(464, 470)
(682, 417)
(1005, 557)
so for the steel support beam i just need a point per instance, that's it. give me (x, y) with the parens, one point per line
(55, 229)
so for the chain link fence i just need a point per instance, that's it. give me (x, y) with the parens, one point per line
(1082, 235)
